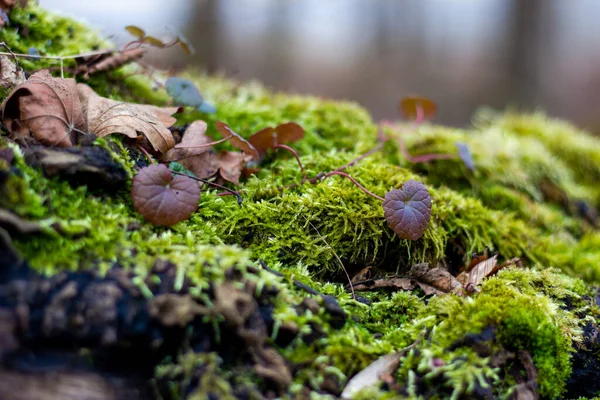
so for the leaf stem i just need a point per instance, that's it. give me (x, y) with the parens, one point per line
(230, 191)
(368, 153)
(295, 154)
(361, 187)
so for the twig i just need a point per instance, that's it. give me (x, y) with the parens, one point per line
(231, 191)
(338, 259)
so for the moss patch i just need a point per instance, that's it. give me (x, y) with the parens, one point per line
(503, 205)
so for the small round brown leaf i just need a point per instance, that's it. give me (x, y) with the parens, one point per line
(289, 132)
(409, 106)
(263, 140)
(236, 140)
(163, 199)
(408, 210)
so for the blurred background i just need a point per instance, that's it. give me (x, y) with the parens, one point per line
(528, 54)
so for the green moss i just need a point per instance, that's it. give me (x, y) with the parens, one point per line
(501, 205)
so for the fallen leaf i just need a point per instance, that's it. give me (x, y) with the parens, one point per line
(163, 199)
(440, 278)
(231, 164)
(236, 140)
(107, 116)
(480, 271)
(371, 376)
(409, 107)
(268, 138)
(362, 275)
(408, 210)
(193, 143)
(46, 108)
(203, 165)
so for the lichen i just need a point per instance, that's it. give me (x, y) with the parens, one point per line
(501, 205)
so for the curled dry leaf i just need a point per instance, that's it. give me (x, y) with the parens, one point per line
(236, 140)
(202, 165)
(193, 143)
(480, 271)
(106, 116)
(46, 108)
(268, 138)
(439, 278)
(231, 164)
(408, 210)
(163, 199)
(484, 269)
(396, 283)
(409, 107)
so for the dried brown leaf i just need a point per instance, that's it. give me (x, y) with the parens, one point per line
(231, 164)
(263, 140)
(107, 116)
(193, 143)
(46, 108)
(439, 278)
(236, 140)
(268, 138)
(480, 271)
(163, 199)
(202, 165)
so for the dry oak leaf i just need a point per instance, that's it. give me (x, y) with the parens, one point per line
(106, 116)
(194, 142)
(163, 199)
(46, 108)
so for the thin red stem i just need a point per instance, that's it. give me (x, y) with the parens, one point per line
(420, 115)
(288, 148)
(231, 191)
(423, 157)
(361, 187)
(368, 153)
(150, 158)
(204, 145)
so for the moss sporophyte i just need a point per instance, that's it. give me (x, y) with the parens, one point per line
(528, 191)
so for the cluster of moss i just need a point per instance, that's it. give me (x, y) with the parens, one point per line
(500, 205)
